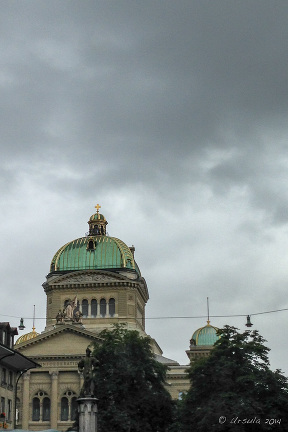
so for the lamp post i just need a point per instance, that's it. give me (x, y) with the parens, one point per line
(15, 395)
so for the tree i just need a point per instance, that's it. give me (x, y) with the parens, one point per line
(233, 389)
(129, 384)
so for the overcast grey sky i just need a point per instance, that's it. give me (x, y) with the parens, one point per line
(172, 115)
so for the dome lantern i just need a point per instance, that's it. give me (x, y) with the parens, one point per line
(97, 223)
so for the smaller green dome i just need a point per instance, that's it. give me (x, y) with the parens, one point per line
(205, 335)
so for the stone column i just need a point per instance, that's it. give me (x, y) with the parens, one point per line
(87, 409)
(26, 401)
(54, 400)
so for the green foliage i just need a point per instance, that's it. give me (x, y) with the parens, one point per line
(235, 382)
(129, 384)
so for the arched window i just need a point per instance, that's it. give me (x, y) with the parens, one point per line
(85, 308)
(74, 408)
(46, 409)
(36, 409)
(93, 308)
(69, 406)
(64, 409)
(103, 307)
(112, 307)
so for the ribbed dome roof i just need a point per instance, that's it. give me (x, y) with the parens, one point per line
(97, 216)
(26, 337)
(205, 335)
(99, 252)
(96, 251)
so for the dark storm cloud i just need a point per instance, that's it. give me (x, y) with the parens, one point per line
(174, 116)
(150, 80)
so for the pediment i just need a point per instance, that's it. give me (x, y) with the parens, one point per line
(64, 340)
(85, 277)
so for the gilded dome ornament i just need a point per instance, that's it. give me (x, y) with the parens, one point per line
(97, 208)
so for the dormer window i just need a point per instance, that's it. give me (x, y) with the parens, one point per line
(91, 245)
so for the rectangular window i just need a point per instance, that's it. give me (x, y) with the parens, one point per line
(4, 378)
(2, 405)
(10, 380)
(9, 414)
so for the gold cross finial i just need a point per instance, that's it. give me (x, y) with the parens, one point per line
(97, 207)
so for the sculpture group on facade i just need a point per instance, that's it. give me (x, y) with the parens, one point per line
(70, 312)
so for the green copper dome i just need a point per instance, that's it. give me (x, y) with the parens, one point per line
(95, 251)
(205, 335)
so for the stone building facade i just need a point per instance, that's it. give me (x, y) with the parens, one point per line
(94, 282)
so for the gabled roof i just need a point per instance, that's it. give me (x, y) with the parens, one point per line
(6, 326)
(59, 329)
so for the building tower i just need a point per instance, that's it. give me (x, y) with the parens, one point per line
(94, 282)
(98, 276)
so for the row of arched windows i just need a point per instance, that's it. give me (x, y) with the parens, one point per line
(102, 308)
(96, 308)
(41, 407)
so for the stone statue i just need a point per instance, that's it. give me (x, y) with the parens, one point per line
(69, 309)
(87, 366)
(78, 316)
(192, 342)
(59, 317)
